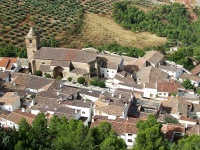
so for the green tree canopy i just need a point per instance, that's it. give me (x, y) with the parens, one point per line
(187, 84)
(38, 73)
(113, 143)
(81, 80)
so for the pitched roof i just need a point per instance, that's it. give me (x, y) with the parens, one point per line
(124, 77)
(44, 68)
(17, 115)
(65, 54)
(31, 81)
(111, 58)
(9, 98)
(193, 130)
(31, 32)
(188, 76)
(79, 71)
(169, 86)
(7, 62)
(150, 74)
(168, 67)
(60, 63)
(169, 129)
(121, 126)
(78, 103)
(195, 70)
(153, 57)
(109, 65)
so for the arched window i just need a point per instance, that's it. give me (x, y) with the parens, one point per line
(30, 41)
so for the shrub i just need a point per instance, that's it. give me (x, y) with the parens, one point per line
(59, 77)
(69, 79)
(38, 73)
(81, 80)
(47, 75)
(102, 84)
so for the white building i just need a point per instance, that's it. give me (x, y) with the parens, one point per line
(195, 80)
(10, 101)
(10, 64)
(173, 70)
(125, 128)
(150, 90)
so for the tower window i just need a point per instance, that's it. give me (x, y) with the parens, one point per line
(30, 41)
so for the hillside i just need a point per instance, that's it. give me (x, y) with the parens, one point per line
(68, 23)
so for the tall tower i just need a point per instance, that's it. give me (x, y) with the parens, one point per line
(32, 44)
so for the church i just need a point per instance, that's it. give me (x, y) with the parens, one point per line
(62, 62)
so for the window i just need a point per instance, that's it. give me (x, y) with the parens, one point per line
(130, 140)
(164, 93)
(43, 62)
(83, 112)
(129, 134)
(112, 71)
(107, 70)
(10, 123)
(9, 108)
(159, 93)
(30, 41)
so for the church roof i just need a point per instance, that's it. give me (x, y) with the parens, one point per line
(64, 54)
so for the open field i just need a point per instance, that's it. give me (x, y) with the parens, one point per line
(102, 29)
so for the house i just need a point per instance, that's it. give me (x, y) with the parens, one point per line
(142, 108)
(154, 58)
(89, 95)
(10, 64)
(30, 83)
(13, 119)
(150, 75)
(84, 106)
(173, 132)
(10, 101)
(133, 64)
(110, 64)
(172, 70)
(191, 130)
(195, 80)
(125, 128)
(168, 87)
(124, 78)
(196, 70)
(150, 90)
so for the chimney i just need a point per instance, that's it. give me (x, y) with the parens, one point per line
(32, 102)
(107, 102)
(76, 111)
(126, 104)
(58, 93)
(23, 109)
(84, 101)
(120, 96)
(132, 95)
(14, 84)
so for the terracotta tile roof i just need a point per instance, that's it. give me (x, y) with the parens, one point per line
(154, 57)
(65, 54)
(170, 106)
(193, 130)
(110, 65)
(150, 85)
(11, 61)
(60, 63)
(187, 119)
(191, 77)
(169, 86)
(45, 102)
(45, 68)
(4, 62)
(121, 126)
(111, 58)
(9, 98)
(124, 77)
(150, 74)
(169, 129)
(129, 60)
(17, 115)
(31, 81)
(78, 103)
(4, 74)
(196, 107)
(196, 70)
(79, 71)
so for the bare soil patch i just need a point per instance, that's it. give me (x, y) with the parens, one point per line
(99, 29)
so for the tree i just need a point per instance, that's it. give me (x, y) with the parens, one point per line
(59, 77)
(69, 79)
(187, 84)
(149, 135)
(190, 143)
(47, 75)
(102, 84)
(81, 80)
(113, 143)
(38, 73)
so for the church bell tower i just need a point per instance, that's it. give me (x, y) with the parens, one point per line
(32, 44)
